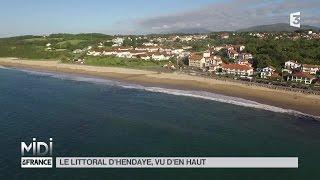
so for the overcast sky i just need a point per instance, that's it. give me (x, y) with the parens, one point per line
(20, 17)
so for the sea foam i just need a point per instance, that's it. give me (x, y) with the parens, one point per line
(189, 93)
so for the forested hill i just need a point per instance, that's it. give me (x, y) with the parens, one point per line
(279, 27)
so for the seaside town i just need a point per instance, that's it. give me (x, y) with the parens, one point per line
(227, 60)
(267, 58)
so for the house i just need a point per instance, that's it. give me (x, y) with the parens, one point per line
(123, 48)
(135, 52)
(187, 47)
(93, 53)
(309, 68)
(212, 61)
(196, 60)
(118, 41)
(245, 56)
(100, 45)
(237, 69)
(160, 56)
(153, 49)
(77, 51)
(215, 68)
(244, 62)
(170, 65)
(267, 72)
(218, 48)
(232, 54)
(142, 48)
(149, 44)
(224, 36)
(144, 56)
(239, 47)
(292, 65)
(301, 77)
(48, 47)
(178, 51)
(206, 54)
(123, 54)
(185, 38)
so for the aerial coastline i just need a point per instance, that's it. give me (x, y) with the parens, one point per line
(306, 103)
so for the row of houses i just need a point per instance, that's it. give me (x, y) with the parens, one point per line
(143, 52)
(302, 73)
(213, 63)
(292, 71)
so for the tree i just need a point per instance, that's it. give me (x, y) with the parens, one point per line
(262, 60)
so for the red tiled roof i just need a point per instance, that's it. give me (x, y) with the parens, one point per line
(236, 67)
(303, 75)
(195, 57)
(310, 66)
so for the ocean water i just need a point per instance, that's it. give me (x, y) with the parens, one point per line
(94, 117)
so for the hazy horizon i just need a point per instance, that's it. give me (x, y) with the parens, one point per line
(37, 17)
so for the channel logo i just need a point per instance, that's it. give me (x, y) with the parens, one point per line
(36, 154)
(295, 19)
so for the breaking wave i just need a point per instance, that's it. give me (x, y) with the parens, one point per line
(177, 92)
(2, 67)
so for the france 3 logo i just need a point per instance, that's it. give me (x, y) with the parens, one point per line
(36, 154)
(295, 19)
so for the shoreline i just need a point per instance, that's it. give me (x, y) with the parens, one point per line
(305, 103)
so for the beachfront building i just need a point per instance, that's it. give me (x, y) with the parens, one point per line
(301, 77)
(212, 60)
(123, 54)
(160, 56)
(93, 53)
(292, 65)
(267, 72)
(144, 56)
(196, 60)
(309, 68)
(237, 69)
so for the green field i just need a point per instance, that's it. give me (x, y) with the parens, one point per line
(122, 62)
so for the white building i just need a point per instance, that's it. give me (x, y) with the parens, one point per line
(237, 69)
(301, 77)
(196, 60)
(160, 56)
(118, 41)
(292, 65)
(309, 68)
(267, 72)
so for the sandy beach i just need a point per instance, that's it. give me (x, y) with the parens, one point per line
(305, 103)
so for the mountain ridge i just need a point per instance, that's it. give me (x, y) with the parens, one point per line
(278, 27)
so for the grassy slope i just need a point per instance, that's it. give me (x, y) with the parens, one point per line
(123, 62)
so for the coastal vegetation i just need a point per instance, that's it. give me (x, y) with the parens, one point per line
(267, 51)
(35, 47)
(123, 62)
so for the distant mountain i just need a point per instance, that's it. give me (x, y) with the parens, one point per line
(279, 27)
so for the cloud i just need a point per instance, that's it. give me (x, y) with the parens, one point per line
(233, 15)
